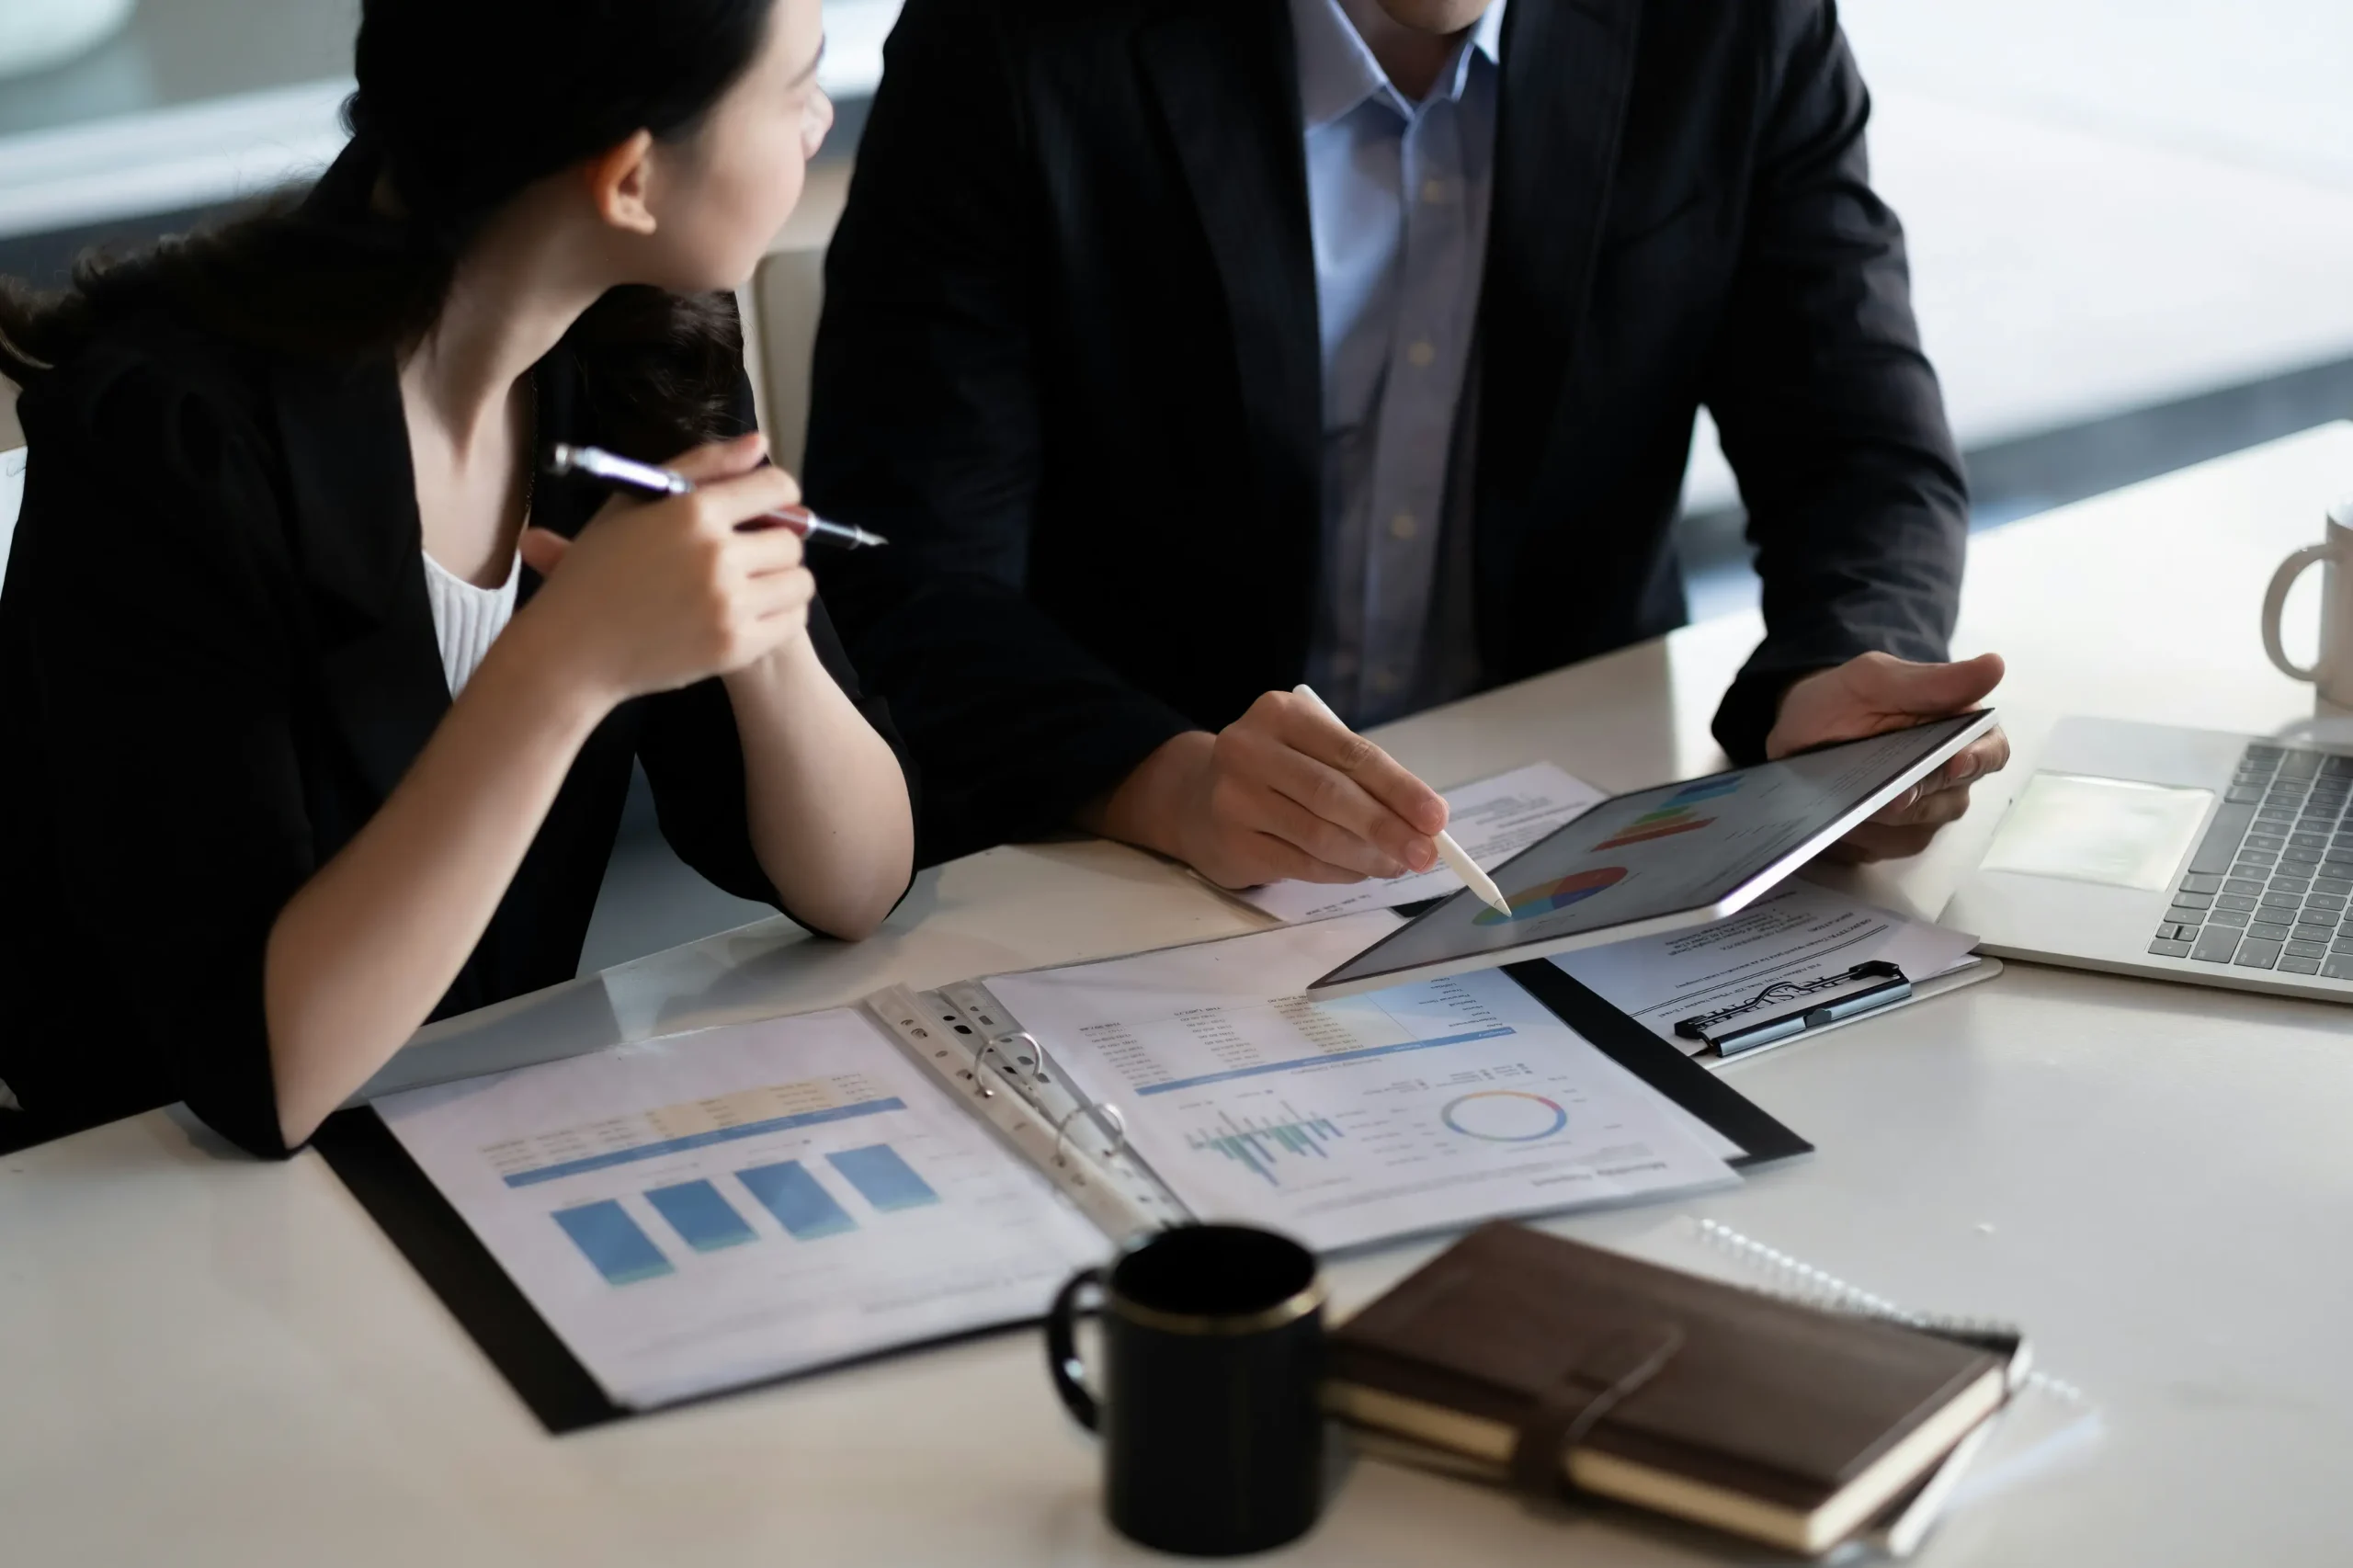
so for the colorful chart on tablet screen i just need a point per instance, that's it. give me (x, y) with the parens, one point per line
(1545, 897)
(1678, 815)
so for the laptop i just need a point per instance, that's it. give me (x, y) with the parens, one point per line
(2177, 854)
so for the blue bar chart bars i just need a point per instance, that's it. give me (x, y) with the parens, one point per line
(611, 1239)
(700, 1215)
(882, 1178)
(1256, 1143)
(804, 1208)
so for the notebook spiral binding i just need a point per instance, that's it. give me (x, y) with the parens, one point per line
(1794, 1279)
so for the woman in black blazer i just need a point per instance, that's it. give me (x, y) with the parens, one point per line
(317, 710)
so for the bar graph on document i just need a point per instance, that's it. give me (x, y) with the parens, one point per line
(1344, 1121)
(1259, 1144)
(798, 1192)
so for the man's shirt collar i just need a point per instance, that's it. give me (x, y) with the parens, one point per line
(1337, 72)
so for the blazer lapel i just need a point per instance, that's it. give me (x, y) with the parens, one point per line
(1567, 70)
(356, 537)
(1225, 75)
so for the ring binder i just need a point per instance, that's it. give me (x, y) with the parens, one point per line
(1104, 1114)
(1038, 1111)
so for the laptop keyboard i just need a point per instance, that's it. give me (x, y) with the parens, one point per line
(2268, 885)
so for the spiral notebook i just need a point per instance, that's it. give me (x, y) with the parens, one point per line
(674, 1218)
(2047, 1424)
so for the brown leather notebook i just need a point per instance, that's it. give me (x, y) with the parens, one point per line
(1545, 1361)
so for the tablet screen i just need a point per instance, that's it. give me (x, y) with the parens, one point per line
(1661, 851)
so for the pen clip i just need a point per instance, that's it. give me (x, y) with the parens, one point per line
(1889, 984)
(1885, 993)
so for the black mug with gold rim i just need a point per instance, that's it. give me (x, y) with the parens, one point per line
(1213, 1354)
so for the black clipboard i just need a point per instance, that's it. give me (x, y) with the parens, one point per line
(443, 1249)
(1661, 1064)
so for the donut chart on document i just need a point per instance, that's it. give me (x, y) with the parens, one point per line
(1546, 897)
(1503, 1116)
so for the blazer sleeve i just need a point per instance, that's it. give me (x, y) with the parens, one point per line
(693, 754)
(925, 426)
(164, 655)
(1830, 412)
(694, 760)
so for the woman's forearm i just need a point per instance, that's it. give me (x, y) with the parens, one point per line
(829, 815)
(360, 955)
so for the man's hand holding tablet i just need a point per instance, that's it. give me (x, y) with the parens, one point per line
(1874, 694)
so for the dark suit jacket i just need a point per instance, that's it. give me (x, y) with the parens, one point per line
(1069, 356)
(216, 660)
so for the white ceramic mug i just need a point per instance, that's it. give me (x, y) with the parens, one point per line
(2331, 672)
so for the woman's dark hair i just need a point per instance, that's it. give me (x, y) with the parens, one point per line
(462, 104)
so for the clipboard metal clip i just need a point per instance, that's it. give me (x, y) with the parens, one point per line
(1883, 984)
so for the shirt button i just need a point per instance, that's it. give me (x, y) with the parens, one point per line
(1433, 190)
(1421, 354)
(1402, 526)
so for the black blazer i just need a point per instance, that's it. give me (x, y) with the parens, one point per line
(1069, 355)
(217, 658)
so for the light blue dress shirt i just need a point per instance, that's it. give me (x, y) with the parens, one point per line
(1397, 196)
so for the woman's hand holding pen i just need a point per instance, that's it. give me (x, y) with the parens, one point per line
(657, 594)
(1285, 791)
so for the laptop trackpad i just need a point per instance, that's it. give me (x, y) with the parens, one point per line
(2115, 831)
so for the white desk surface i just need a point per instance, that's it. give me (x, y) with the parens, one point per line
(208, 1361)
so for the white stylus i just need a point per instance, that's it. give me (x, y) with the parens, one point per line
(1453, 854)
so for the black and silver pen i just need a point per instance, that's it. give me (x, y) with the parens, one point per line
(644, 479)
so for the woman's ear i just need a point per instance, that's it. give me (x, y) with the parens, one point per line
(619, 185)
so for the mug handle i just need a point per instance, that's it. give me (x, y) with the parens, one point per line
(2275, 599)
(1061, 1350)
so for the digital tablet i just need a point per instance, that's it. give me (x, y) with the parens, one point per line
(1661, 858)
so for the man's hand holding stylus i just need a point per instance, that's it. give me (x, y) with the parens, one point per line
(1284, 792)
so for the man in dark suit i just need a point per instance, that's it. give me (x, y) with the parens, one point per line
(1192, 349)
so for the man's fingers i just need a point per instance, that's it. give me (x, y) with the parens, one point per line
(1261, 857)
(1989, 753)
(1932, 809)
(1326, 792)
(1287, 861)
(1373, 771)
(1327, 841)
(1878, 841)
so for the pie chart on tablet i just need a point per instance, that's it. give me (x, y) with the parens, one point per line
(1546, 897)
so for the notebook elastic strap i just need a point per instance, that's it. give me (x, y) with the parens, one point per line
(1585, 1392)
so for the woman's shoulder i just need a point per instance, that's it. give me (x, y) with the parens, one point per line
(150, 455)
(150, 388)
